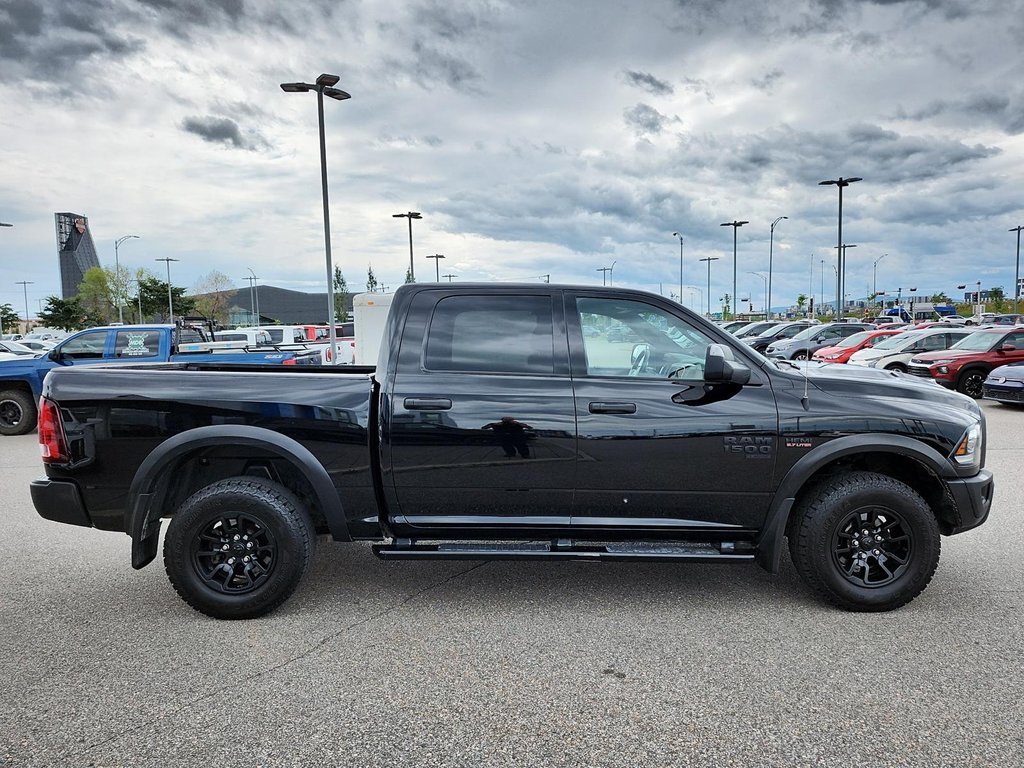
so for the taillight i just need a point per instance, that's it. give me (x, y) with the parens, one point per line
(52, 444)
(289, 362)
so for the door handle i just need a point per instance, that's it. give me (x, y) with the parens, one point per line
(613, 407)
(427, 403)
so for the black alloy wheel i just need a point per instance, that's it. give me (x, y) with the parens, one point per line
(238, 548)
(864, 541)
(17, 412)
(971, 383)
(872, 547)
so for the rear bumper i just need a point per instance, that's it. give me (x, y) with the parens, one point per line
(973, 496)
(60, 501)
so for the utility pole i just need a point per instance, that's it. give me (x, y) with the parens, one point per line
(735, 226)
(709, 259)
(25, 284)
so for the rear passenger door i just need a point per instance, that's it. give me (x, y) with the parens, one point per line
(481, 429)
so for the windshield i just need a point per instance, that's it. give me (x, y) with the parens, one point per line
(982, 341)
(755, 328)
(899, 340)
(853, 341)
(807, 333)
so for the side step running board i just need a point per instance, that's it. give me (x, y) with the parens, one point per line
(563, 550)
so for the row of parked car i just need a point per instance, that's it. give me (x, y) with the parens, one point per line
(984, 360)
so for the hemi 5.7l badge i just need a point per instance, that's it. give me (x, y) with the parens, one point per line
(751, 447)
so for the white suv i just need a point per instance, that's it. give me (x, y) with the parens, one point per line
(894, 352)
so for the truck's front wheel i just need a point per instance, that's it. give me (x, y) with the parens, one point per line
(865, 541)
(17, 412)
(238, 548)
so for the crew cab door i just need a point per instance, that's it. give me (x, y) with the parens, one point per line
(481, 427)
(659, 449)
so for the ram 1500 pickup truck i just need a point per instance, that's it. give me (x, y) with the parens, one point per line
(493, 427)
(21, 381)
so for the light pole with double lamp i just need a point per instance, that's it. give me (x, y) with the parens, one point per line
(841, 269)
(735, 226)
(410, 215)
(117, 273)
(170, 301)
(437, 266)
(771, 250)
(324, 86)
(709, 259)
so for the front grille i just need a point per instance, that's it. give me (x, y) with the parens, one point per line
(1011, 395)
(920, 370)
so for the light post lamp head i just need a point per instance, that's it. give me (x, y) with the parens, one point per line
(337, 94)
(326, 80)
(296, 87)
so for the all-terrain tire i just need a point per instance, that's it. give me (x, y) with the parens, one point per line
(238, 548)
(864, 541)
(17, 412)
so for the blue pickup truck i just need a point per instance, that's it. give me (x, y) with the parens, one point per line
(21, 381)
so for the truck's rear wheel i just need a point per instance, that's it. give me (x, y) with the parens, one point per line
(238, 548)
(865, 541)
(17, 412)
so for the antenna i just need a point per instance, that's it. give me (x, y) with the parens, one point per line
(803, 400)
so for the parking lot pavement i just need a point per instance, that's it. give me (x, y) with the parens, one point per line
(510, 664)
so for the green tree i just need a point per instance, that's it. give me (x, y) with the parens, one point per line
(213, 295)
(801, 300)
(340, 296)
(96, 296)
(154, 299)
(371, 280)
(996, 300)
(66, 314)
(940, 298)
(8, 317)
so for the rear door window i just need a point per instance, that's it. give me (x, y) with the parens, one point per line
(137, 344)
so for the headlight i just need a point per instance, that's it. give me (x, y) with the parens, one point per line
(968, 450)
(939, 362)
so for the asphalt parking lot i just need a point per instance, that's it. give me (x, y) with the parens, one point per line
(470, 664)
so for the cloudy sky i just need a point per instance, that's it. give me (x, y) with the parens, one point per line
(536, 138)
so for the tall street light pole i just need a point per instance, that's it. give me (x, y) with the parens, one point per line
(256, 293)
(410, 215)
(874, 276)
(735, 226)
(1016, 274)
(170, 301)
(324, 86)
(604, 274)
(677, 234)
(841, 270)
(25, 284)
(841, 302)
(709, 259)
(771, 249)
(117, 273)
(821, 301)
(437, 266)
(449, 276)
(766, 283)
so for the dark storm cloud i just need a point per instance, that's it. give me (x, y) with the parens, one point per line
(1005, 111)
(49, 43)
(222, 130)
(646, 120)
(648, 82)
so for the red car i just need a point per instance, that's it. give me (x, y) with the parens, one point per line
(965, 365)
(841, 352)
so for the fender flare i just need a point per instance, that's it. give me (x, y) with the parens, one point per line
(771, 541)
(144, 502)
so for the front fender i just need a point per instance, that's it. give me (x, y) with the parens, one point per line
(147, 494)
(772, 539)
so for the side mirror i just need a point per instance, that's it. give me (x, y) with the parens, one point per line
(54, 355)
(867, 345)
(720, 367)
(1007, 348)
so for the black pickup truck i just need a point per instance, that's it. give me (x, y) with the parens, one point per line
(495, 427)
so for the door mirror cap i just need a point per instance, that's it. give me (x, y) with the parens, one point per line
(1007, 348)
(720, 367)
(54, 355)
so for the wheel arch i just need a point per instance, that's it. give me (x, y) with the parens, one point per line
(911, 461)
(152, 487)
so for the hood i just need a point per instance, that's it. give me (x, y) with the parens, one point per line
(855, 381)
(872, 353)
(945, 354)
(830, 351)
(1013, 371)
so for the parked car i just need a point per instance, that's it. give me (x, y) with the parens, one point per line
(620, 333)
(966, 364)
(780, 331)
(1005, 384)
(38, 345)
(841, 352)
(810, 340)
(734, 325)
(494, 429)
(1008, 319)
(17, 348)
(755, 329)
(250, 337)
(895, 352)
